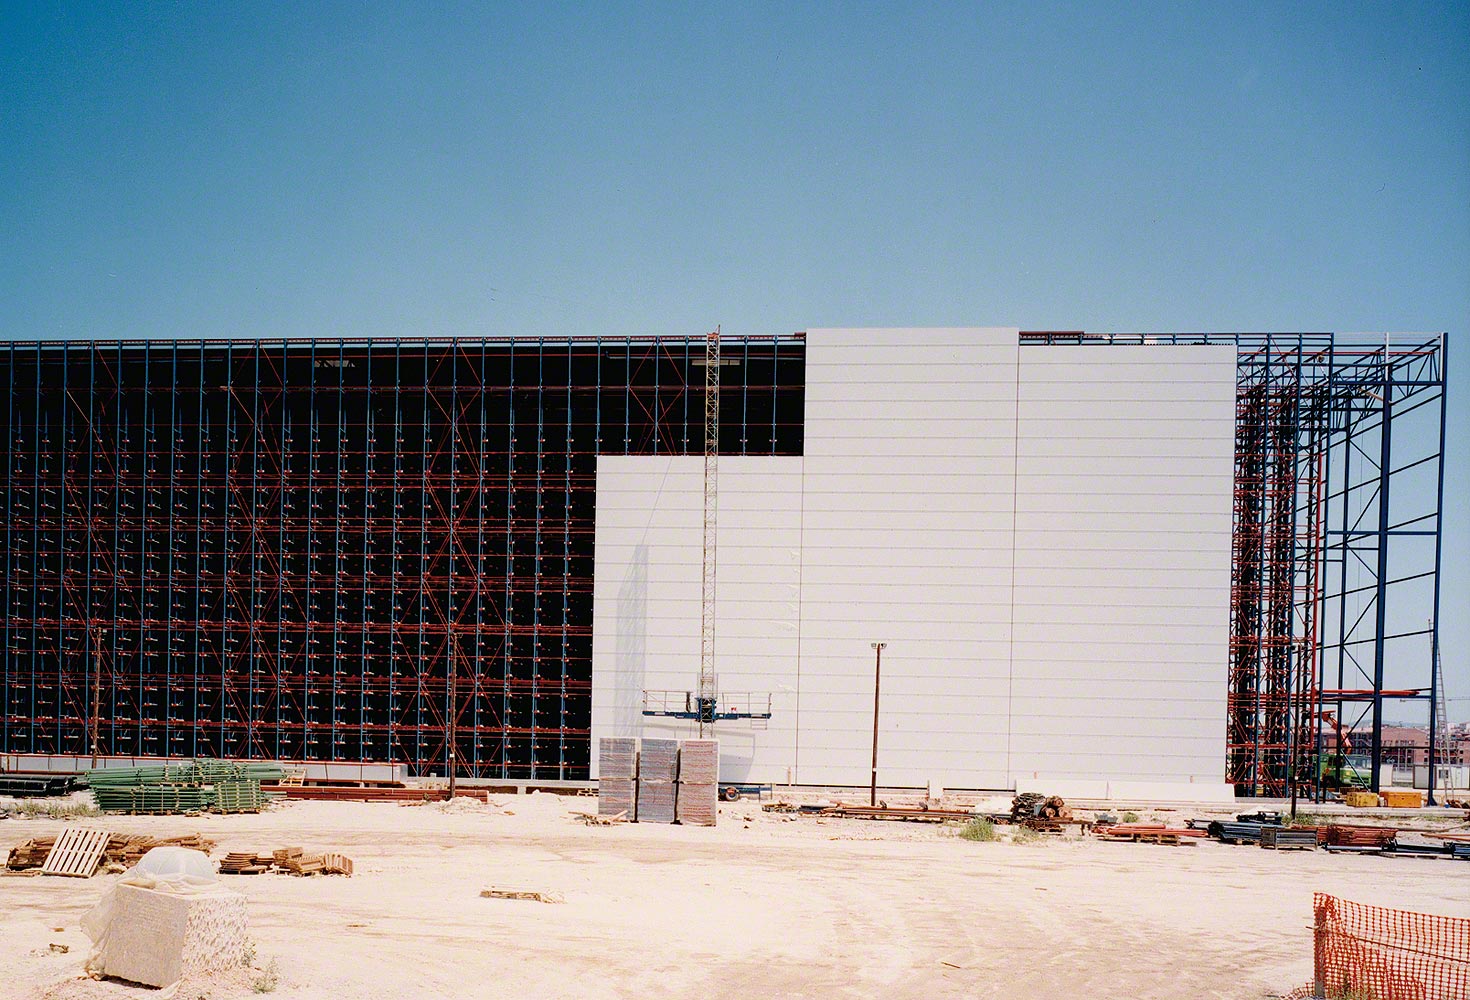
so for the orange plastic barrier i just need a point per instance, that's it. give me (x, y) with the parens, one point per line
(1371, 951)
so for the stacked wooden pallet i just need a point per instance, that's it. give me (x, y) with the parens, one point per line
(289, 860)
(245, 863)
(120, 849)
(31, 854)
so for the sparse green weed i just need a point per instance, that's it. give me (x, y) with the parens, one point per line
(1312, 819)
(44, 809)
(978, 829)
(269, 978)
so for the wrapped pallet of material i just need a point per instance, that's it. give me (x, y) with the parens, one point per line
(699, 761)
(617, 757)
(617, 773)
(698, 805)
(655, 801)
(699, 790)
(166, 919)
(616, 795)
(659, 760)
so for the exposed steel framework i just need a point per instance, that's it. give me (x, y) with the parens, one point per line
(383, 551)
(335, 550)
(1339, 473)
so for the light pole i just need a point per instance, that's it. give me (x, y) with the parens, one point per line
(878, 648)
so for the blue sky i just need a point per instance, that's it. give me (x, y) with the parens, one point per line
(268, 170)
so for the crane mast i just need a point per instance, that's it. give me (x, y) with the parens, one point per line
(708, 693)
(704, 704)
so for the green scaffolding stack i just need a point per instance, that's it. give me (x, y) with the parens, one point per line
(189, 786)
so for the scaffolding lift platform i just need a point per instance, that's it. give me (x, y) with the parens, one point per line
(721, 708)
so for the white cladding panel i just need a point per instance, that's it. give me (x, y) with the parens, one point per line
(1151, 597)
(1004, 518)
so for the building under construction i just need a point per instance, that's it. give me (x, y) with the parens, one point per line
(1095, 557)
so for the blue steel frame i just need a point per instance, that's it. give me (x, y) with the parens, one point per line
(1319, 468)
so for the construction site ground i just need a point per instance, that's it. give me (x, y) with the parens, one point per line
(764, 905)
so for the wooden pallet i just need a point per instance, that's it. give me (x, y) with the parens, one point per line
(528, 894)
(76, 853)
(1149, 833)
(592, 819)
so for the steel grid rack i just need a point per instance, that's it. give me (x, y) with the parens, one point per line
(1336, 546)
(334, 550)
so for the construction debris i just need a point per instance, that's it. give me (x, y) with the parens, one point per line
(245, 863)
(534, 896)
(915, 814)
(121, 850)
(289, 860)
(1034, 805)
(1149, 833)
(593, 819)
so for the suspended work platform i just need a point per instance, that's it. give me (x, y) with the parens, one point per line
(721, 708)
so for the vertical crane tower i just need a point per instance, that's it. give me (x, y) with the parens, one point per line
(703, 703)
(708, 693)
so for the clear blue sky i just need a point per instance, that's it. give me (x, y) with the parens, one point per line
(269, 170)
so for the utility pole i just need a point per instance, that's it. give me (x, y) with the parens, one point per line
(878, 648)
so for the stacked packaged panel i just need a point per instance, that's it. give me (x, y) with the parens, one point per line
(617, 769)
(658, 768)
(699, 784)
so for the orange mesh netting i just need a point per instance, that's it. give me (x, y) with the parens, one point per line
(1372, 953)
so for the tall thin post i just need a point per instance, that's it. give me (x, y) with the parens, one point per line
(1385, 480)
(878, 648)
(708, 692)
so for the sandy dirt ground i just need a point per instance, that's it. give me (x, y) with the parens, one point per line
(761, 906)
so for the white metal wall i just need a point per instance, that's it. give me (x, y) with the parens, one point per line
(1040, 535)
(1124, 478)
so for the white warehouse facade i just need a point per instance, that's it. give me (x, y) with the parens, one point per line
(1041, 536)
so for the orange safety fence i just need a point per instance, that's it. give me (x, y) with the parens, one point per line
(1365, 952)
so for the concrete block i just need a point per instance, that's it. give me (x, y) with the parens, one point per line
(157, 938)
